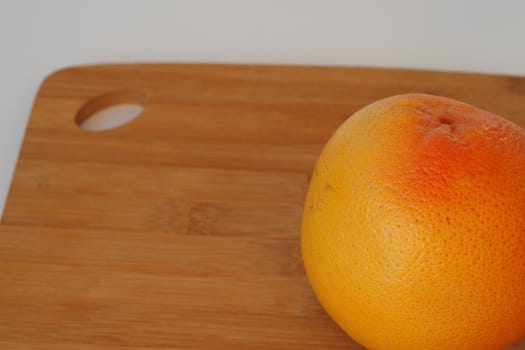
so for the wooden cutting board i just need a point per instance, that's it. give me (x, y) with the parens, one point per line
(180, 230)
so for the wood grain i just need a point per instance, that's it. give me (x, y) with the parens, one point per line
(180, 230)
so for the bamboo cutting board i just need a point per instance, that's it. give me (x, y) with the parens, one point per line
(180, 229)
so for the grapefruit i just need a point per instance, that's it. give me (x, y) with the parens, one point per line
(413, 232)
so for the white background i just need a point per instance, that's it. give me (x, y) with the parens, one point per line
(37, 37)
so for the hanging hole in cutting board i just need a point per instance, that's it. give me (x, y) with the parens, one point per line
(111, 110)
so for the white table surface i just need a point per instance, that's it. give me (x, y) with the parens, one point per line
(38, 37)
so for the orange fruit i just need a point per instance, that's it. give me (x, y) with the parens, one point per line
(413, 233)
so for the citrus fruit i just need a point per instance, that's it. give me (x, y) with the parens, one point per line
(413, 232)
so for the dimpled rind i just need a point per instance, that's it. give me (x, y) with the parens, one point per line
(413, 233)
